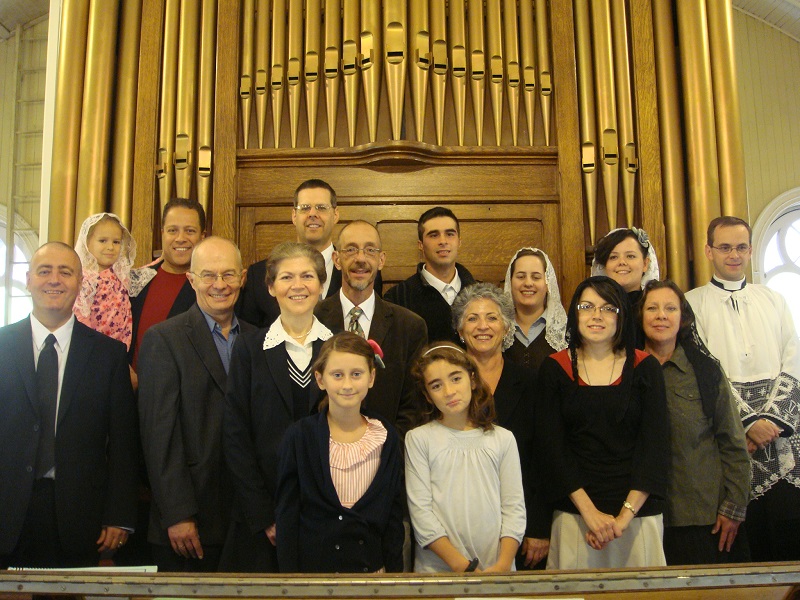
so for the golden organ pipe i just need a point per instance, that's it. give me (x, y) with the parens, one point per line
(477, 63)
(246, 68)
(262, 67)
(351, 49)
(371, 63)
(278, 65)
(701, 145)
(458, 63)
(395, 28)
(439, 55)
(333, 41)
(169, 75)
(67, 122)
(312, 65)
(125, 116)
(627, 139)
(494, 44)
(294, 65)
(545, 72)
(205, 101)
(96, 114)
(606, 106)
(586, 110)
(186, 97)
(419, 44)
(730, 144)
(670, 136)
(513, 75)
(528, 52)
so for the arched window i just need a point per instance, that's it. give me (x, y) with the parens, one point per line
(15, 301)
(776, 239)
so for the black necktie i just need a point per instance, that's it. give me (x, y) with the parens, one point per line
(47, 387)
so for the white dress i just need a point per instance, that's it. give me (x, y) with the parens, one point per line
(465, 485)
(752, 334)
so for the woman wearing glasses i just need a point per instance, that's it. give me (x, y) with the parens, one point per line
(602, 428)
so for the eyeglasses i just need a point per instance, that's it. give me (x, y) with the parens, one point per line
(606, 309)
(304, 209)
(211, 278)
(352, 252)
(727, 248)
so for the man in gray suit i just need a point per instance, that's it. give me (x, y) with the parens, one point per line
(400, 333)
(183, 368)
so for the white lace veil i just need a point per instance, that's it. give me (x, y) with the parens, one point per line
(651, 273)
(554, 314)
(122, 268)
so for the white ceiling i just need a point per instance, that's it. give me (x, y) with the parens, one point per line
(782, 14)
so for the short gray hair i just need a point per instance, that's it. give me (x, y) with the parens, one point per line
(288, 250)
(487, 291)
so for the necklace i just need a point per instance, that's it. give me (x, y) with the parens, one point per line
(302, 335)
(610, 375)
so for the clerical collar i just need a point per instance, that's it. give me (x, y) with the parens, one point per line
(728, 286)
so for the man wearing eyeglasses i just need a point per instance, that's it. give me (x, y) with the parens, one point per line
(357, 308)
(183, 370)
(314, 216)
(749, 328)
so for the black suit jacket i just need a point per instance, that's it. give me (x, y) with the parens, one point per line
(181, 404)
(257, 306)
(316, 534)
(401, 335)
(96, 439)
(183, 302)
(258, 411)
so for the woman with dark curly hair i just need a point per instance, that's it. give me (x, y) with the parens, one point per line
(602, 428)
(709, 477)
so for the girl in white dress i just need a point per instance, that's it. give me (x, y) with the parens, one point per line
(463, 477)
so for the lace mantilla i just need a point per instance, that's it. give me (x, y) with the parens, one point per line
(554, 315)
(652, 272)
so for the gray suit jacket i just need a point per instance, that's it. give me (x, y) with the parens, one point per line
(181, 402)
(401, 335)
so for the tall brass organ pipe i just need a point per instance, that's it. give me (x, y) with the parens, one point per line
(294, 65)
(371, 62)
(440, 66)
(527, 43)
(313, 65)
(419, 46)
(351, 58)
(245, 68)
(394, 33)
(458, 64)
(606, 106)
(333, 41)
(545, 71)
(187, 95)
(627, 140)
(494, 44)
(169, 74)
(262, 67)
(277, 78)
(586, 110)
(513, 76)
(205, 101)
(478, 67)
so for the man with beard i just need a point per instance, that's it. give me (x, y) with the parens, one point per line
(399, 332)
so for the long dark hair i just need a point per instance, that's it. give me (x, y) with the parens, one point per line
(481, 411)
(707, 369)
(612, 292)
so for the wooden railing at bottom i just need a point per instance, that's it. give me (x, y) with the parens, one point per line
(773, 580)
